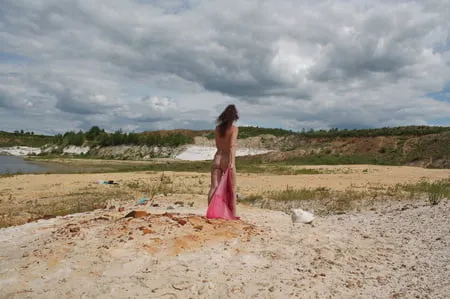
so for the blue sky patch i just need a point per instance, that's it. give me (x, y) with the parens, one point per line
(442, 95)
(6, 57)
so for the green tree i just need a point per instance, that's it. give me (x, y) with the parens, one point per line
(93, 133)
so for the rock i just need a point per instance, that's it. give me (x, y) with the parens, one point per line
(168, 215)
(121, 209)
(45, 217)
(136, 214)
(146, 231)
(181, 285)
(198, 227)
(170, 208)
(74, 229)
(272, 289)
(301, 216)
(181, 221)
(180, 203)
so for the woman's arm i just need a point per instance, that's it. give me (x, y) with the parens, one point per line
(234, 135)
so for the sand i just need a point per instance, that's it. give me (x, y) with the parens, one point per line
(200, 153)
(20, 150)
(394, 250)
(335, 177)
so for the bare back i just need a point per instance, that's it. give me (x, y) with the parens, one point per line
(226, 146)
(227, 142)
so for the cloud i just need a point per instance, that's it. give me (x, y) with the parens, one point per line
(166, 64)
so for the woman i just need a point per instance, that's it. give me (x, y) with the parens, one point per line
(225, 137)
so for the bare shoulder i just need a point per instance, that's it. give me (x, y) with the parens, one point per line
(235, 128)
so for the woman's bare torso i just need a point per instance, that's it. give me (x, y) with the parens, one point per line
(225, 145)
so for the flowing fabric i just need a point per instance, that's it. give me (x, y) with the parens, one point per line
(222, 202)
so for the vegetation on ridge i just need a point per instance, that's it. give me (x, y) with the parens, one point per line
(97, 136)
(411, 145)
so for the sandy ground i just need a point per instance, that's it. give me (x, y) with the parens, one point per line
(26, 187)
(394, 250)
(20, 194)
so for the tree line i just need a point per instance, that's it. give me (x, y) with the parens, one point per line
(245, 132)
(99, 137)
(386, 131)
(96, 136)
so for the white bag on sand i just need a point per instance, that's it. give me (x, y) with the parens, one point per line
(301, 216)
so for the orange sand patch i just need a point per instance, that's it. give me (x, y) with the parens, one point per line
(167, 233)
(190, 232)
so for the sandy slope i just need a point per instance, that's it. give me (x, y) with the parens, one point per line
(398, 251)
(199, 153)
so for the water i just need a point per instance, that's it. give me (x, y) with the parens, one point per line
(11, 164)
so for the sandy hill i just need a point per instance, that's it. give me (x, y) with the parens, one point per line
(398, 250)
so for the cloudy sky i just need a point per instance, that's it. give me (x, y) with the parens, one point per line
(163, 64)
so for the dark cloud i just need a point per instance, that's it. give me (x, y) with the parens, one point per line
(358, 62)
(6, 100)
(67, 102)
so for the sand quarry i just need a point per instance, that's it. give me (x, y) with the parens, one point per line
(167, 249)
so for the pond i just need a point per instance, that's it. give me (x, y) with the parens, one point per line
(13, 164)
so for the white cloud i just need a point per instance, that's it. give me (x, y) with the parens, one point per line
(144, 64)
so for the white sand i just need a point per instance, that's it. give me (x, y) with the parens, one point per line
(398, 251)
(76, 150)
(26, 151)
(20, 150)
(198, 153)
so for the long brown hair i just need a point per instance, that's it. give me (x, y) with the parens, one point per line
(226, 119)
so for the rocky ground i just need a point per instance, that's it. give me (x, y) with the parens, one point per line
(393, 251)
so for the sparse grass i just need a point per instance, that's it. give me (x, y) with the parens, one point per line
(87, 165)
(273, 168)
(15, 212)
(434, 191)
(163, 185)
(9, 174)
(335, 159)
(327, 201)
(133, 185)
(75, 202)
(251, 198)
(299, 194)
(243, 165)
(323, 200)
